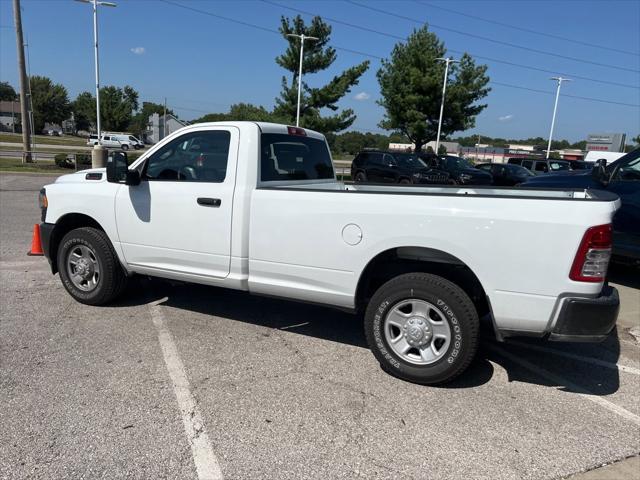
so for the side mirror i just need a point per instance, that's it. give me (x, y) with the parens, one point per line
(118, 170)
(599, 171)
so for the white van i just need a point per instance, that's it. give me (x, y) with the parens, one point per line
(594, 156)
(127, 139)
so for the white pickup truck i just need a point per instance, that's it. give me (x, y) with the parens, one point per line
(256, 207)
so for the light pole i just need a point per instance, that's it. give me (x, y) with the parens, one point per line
(447, 61)
(555, 107)
(302, 38)
(97, 159)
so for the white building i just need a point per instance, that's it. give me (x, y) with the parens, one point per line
(156, 129)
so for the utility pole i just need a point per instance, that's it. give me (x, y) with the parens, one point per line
(302, 38)
(444, 90)
(98, 156)
(22, 73)
(30, 109)
(555, 108)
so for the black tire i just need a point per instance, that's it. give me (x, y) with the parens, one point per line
(125, 147)
(360, 177)
(112, 279)
(451, 301)
(404, 181)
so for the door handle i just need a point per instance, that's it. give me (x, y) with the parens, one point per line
(209, 202)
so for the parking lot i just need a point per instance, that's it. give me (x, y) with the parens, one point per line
(187, 381)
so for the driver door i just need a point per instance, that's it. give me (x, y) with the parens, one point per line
(179, 218)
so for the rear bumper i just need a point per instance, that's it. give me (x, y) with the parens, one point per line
(587, 319)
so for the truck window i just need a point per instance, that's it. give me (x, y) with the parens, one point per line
(527, 164)
(192, 157)
(289, 157)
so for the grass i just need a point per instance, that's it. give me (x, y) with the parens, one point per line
(43, 166)
(45, 139)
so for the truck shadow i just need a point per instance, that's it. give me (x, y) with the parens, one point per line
(550, 367)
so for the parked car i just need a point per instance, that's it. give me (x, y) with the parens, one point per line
(126, 139)
(505, 174)
(380, 166)
(621, 177)
(256, 207)
(107, 141)
(460, 170)
(541, 165)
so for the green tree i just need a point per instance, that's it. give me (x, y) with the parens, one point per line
(243, 111)
(411, 87)
(7, 92)
(636, 140)
(116, 107)
(318, 56)
(84, 111)
(50, 102)
(140, 120)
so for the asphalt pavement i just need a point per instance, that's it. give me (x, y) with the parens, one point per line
(186, 381)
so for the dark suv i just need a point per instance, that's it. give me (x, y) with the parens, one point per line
(542, 165)
(379, 166)
(461, 171)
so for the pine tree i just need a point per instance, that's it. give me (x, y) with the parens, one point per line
(318, 56)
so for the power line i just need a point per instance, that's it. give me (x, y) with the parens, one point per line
(264, 29)
(505, 62)
(499, 42)
(369, 55)
(528, 30)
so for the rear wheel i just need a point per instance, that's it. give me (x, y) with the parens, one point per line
(360, 177)
(405, 181)
(422, 328)
(89, 268)
(125, 147)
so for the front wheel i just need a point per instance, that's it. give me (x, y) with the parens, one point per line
(89, 268)
(422, 328)
(125, 147)
(360, 177)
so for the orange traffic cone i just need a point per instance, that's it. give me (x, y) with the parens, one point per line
(36, 245)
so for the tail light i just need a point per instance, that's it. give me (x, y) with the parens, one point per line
(296, 131)
(592, 259)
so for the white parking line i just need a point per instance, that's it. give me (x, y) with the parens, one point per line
(573, 356)
(567, 383)
(205, 460)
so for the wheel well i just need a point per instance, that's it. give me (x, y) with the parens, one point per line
(64, 225)
(398, 261)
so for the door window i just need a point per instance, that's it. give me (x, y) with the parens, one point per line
(192, 157)
(542, 167)
(527, 164)
(630, 171)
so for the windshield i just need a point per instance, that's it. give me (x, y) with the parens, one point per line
(408, 160)
(289, 157)
(519, 171)
(629, 157)
(455, 163)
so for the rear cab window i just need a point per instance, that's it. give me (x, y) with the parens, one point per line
(286, 158)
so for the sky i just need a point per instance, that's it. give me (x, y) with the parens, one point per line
(202, 63)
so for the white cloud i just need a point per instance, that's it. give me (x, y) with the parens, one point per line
(138, 50)
(362, 96)
(506, 118)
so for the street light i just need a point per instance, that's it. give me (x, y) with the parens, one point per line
(444, 90)
(555, 107)
(95, 4)
(302, 38)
